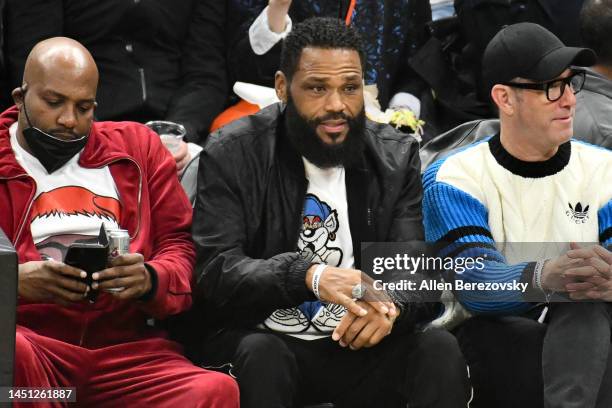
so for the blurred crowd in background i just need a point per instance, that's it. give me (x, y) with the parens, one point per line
(178, 60)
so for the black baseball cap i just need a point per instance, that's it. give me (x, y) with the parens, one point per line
(529, 51)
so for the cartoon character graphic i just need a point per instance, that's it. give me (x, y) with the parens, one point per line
(320, 224)
(319, 228)
(70, 214)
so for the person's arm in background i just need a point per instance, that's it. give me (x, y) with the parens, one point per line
(26, 23)
(255, 52)
(204, 87)
(409, 86)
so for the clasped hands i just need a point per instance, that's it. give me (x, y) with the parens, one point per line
(53, 281)
(367, 321)
(584, 273)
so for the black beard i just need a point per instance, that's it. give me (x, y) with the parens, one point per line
(303, 136)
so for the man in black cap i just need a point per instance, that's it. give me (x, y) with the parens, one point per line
(531, 184)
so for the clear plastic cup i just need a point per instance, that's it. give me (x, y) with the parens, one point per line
(170, 133)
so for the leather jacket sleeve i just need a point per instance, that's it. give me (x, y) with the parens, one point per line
(227, 277)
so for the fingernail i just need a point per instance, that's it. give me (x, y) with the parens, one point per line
(363, 312)
(83, 274)
(95, 276)
(335, 337)
(342, 344)
(94, 285)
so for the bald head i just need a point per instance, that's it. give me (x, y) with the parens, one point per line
(60, 56)
(58, 94)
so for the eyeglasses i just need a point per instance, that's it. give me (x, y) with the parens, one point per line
(554, 89)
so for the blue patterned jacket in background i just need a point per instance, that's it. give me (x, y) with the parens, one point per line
(392, 31)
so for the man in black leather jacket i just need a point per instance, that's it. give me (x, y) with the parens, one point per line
(285, 199)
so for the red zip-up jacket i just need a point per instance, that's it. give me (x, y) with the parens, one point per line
(154, 210)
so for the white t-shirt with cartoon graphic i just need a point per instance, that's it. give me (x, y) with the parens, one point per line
(70, 204)
(325, 238)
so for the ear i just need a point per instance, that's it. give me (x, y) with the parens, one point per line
(18, 96)
(331, 223)
(504, 99)
(281, 86)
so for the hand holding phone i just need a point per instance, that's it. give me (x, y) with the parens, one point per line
(89, 258)
(51, 281)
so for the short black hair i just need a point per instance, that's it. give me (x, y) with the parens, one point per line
(318, 32)
(596, 28)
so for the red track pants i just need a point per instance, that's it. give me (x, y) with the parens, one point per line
(145, 373)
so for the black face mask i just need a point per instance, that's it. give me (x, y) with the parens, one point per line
(50, 151)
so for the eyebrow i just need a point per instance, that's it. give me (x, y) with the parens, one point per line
(350, 77)
(61, 96)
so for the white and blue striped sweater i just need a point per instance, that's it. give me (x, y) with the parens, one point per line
(482, 195)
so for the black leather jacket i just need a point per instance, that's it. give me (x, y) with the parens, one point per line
(251, 191)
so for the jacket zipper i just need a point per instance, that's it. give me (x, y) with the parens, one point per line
(139, 186)
(30, 202)
(83, 331)
(143, 84)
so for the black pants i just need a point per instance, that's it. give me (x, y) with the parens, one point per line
(506, 356)
(274, 370)
(576, 356)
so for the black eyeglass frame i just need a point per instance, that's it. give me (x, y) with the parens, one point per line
(545, 86)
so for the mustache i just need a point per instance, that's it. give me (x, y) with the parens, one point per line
(331, 116)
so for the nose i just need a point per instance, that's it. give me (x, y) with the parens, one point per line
(334, 102)
(67, 118)
(568, 99)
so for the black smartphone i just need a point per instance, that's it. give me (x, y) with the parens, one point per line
(90, 258)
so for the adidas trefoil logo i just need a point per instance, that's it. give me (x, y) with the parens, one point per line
(578, 214)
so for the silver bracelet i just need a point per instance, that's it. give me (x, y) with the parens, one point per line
(537, 279)
(316, 278)
(537, 274)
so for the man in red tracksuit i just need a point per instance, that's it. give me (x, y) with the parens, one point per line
(61, 177)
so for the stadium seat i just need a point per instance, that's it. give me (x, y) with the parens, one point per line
(8, 304)
(444, 144)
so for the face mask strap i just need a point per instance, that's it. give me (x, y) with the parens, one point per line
(25, 110)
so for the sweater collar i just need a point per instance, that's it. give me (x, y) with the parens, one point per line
(530, 169)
